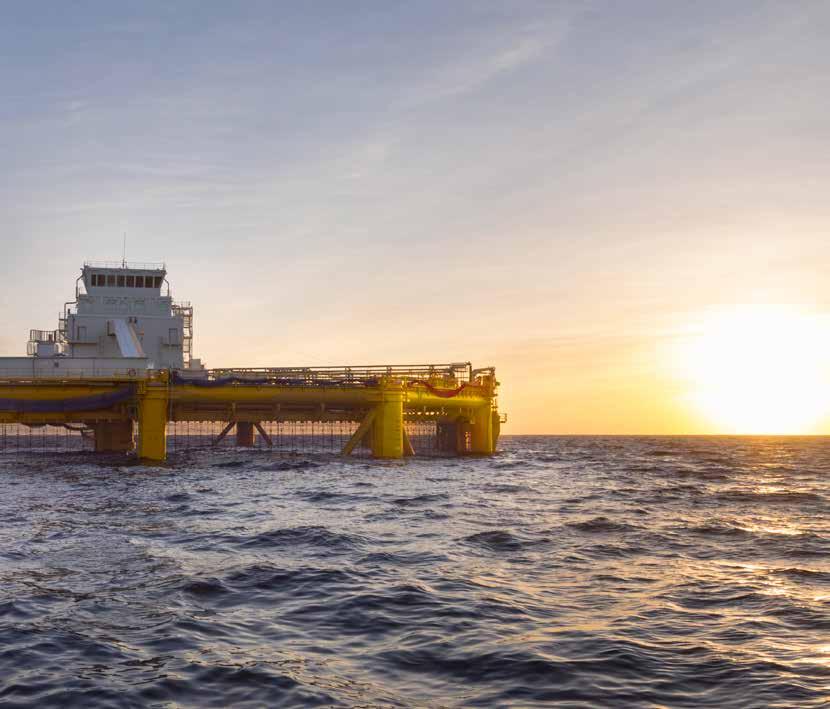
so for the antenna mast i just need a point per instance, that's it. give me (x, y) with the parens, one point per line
(124, 252)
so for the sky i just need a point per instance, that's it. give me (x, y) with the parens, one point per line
(565, 190)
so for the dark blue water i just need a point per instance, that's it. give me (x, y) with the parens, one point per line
(680, 572)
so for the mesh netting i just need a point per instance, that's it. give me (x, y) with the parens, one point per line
(18, 439)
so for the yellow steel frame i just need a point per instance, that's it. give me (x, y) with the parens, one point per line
(382, 408)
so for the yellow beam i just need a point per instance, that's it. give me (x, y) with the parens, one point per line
(358, 435)
(59, 418)
(342, 396)
(264, 434)
(408, 450)
(224, 432)
(224, 414)
(53, 391)
(75, 381)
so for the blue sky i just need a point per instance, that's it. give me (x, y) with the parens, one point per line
(528, 184)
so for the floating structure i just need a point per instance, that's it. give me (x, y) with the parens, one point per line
(119, 369)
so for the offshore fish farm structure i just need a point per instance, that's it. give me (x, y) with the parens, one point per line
(118, 376)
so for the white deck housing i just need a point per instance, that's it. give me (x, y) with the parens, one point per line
(120, 324)
(73, 367)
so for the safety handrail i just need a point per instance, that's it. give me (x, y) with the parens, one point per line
(134, 265)
(457, 371)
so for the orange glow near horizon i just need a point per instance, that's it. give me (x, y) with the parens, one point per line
(759, 370)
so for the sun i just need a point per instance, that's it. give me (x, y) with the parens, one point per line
(760, 369)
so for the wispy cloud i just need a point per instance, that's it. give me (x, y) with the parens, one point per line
(487, 56)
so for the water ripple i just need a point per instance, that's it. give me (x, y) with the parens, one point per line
(583, 572)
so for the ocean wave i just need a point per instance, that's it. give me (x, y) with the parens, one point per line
(284, 465)
(418, 500)
(256, 580)
(600, 525)
(302, 536)
(508, 488)
(632, 572)
(328, 496)
(203, 588)
(230, 464)
(803, 574)
(771, 498)
(718, 530)
(502, 540)
(178, 497)
(520, 667)
(403, 558)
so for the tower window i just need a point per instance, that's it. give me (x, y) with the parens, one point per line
(148, 281)
(120, 281)
(130, 281)
(93, 280)
(139, 281)
(111, 281)
(158, 281)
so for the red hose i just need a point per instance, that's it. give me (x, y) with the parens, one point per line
(443, 393)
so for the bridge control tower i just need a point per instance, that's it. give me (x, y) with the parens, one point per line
(124, 313)
(123, 318)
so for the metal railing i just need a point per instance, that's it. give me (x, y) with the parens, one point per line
(185, 310)
(439, 375)
(134, 265)
(18, 376)
(44, 336)
(359, 375)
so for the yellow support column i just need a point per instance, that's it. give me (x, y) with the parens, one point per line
(484, 431)
(482, 440)
(152, 420)
(387, 427)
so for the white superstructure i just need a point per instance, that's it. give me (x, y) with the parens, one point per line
(123, 318)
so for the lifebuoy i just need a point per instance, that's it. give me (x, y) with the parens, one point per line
(131, 372)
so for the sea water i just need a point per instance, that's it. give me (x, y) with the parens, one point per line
(575, 571)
